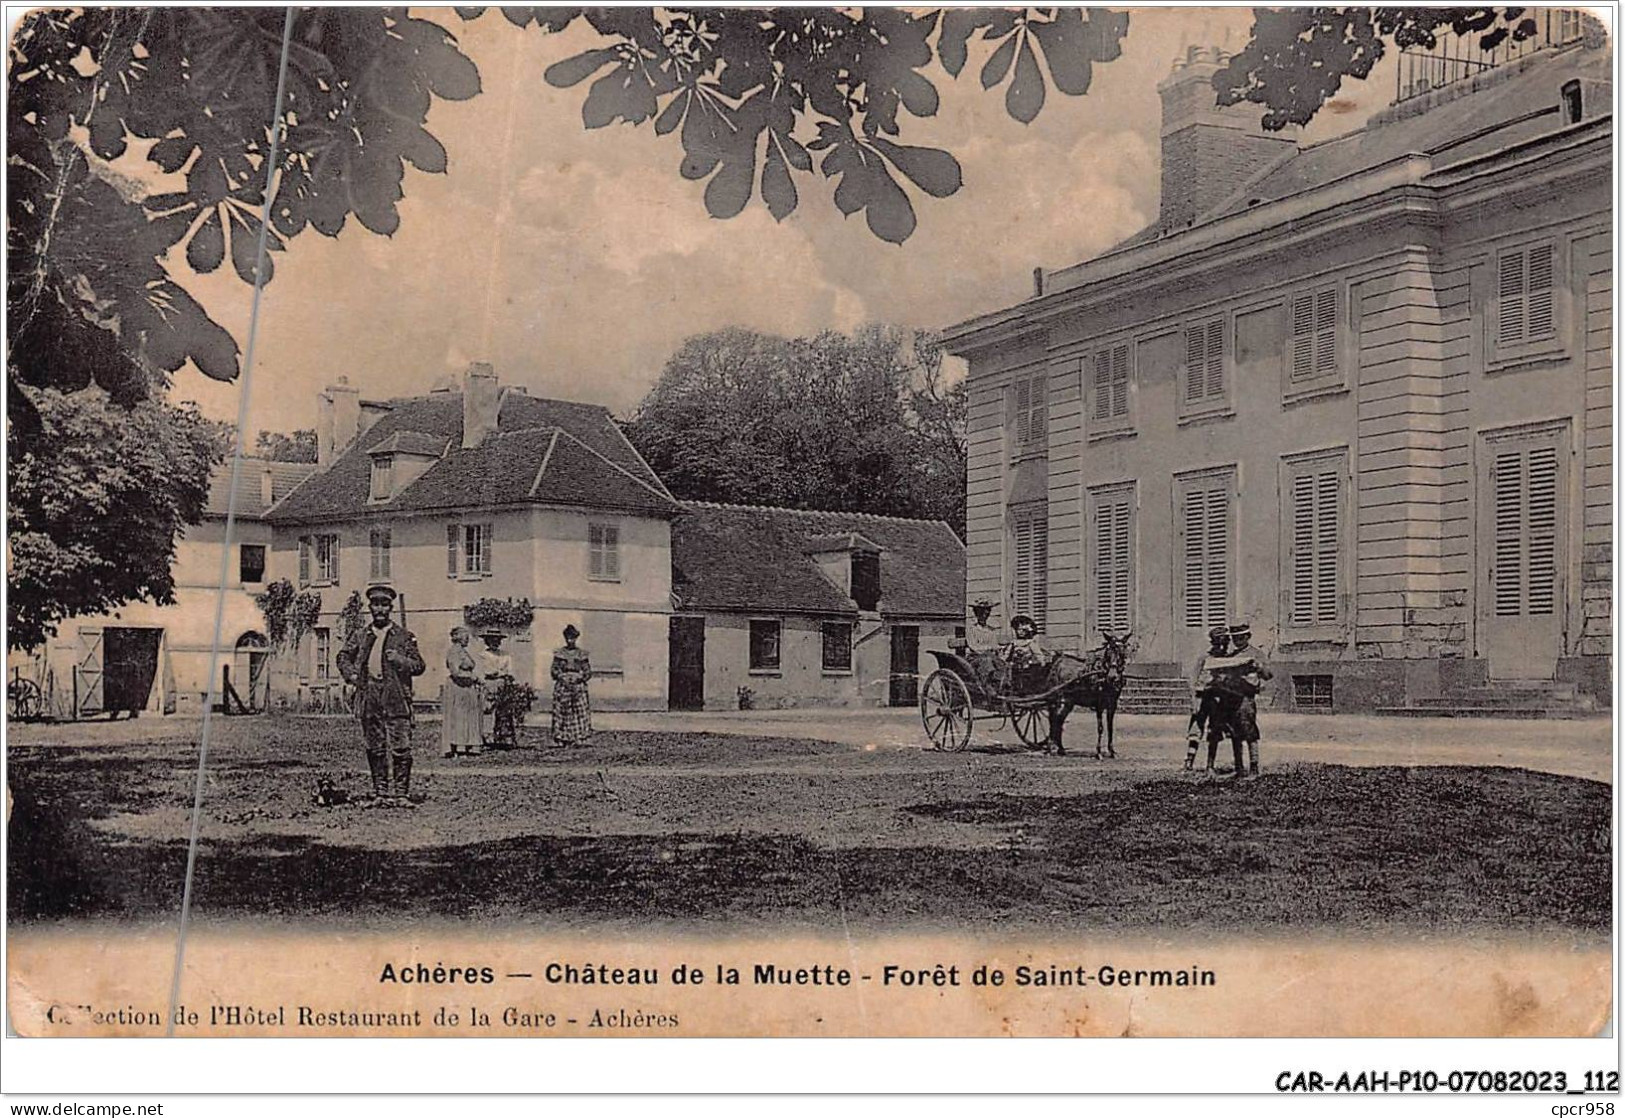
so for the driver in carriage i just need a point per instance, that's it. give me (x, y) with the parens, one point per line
(983, 640)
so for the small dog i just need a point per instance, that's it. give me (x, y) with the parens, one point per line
(329, 794)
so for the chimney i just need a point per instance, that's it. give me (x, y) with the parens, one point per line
(338, 421)
(267, 487)
(481, 404)
(1208, 152)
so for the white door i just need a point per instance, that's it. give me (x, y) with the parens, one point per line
(1523, 526)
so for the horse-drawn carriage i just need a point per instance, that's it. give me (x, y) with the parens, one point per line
(956, 696)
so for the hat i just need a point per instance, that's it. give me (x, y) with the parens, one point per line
(487, 634)
(1022, 619)
(1218, 632)
(1241, 630)
(380, 592)
(571, 631)
(981, 603)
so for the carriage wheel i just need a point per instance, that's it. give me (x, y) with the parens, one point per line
(23, 699)
(945, 708)
(1032, 725)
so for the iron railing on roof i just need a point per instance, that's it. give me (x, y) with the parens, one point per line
(1458, 58)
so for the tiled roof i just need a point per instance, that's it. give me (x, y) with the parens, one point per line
(411, 442)
(750, 559)
(596, 468)
(251, 503)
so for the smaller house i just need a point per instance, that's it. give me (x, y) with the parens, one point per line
(147, 657)
(790, 608)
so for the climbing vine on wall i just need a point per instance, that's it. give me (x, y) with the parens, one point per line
(499, 613)
(352, 616)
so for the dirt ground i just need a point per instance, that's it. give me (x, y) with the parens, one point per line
(709, 828)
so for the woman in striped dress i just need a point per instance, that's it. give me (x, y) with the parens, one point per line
(572, 709)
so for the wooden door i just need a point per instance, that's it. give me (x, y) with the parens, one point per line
(87, 672)
(905, 665)
(1522, 553)
(686, 663)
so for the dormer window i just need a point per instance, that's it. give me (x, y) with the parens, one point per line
(383, 477)
(866, 579)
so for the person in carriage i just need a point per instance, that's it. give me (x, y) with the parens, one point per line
(983, 642)
(1027, 659)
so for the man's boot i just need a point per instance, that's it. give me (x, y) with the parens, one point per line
(403, 782)
(1252, 758)
(1241, 769)
(380, 776)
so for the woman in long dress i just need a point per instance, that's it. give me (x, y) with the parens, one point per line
(572, 709)
(460, 724)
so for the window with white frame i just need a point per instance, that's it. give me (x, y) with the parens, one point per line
(383, 477)
(604, 552)
(1313, 341)
(1314, 512)
(1526, 308)
(1204, 381)
(1110, 389)
(1204, 524)
(322, 652)
(1029, 414)
(1029, 569)
(1111, 558)
(379, 546)
(318, 559)
(468, 550)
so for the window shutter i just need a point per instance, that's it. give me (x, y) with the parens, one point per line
(1112, 551)
(304, 560)
(1303, 549)
(1538, 309)
(333, 564)
(1542, 521)
(1328, 489)
(1103, 384)
(1120, 381)
(1507, 568)
(1038, 421)
(1218, 555)
(1192, 546)
(1215, 359)
(612, 551)
(487, 538)
(1039, 577)
(1326, 332)
(1303, 337)
(1021, 396)
(453, 537)
(1510, 289)
(1195, 363)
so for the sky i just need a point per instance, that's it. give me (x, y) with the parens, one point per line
(576, 261)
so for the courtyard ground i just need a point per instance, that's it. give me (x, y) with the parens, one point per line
(784, 829)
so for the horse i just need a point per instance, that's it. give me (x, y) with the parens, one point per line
(1098, 685)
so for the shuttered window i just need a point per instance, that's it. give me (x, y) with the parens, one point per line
(304, 560)
(1204, 527)
(1110, 384)
(323, 666)
(1204, 364)
(837, 646)
(1525, 548)
(1029, 590)
(1525, 296)
(1313, 519)
(1314, 335)
(1111, 559)
(1029, 413)
(327, 558)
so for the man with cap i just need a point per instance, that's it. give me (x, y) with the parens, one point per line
(1204, 700)
(1240, 676)
(380, 661)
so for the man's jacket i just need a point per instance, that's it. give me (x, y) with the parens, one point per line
(390, 697)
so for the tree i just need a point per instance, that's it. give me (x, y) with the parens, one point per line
(1296, 59)
(92, 524)
(297, 447)
(860, 424)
